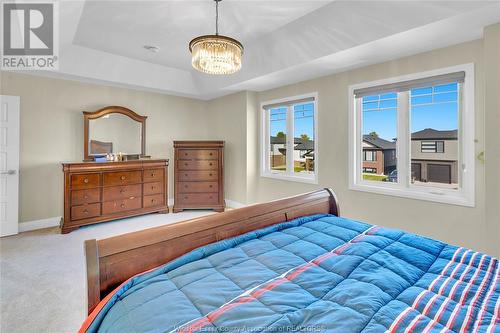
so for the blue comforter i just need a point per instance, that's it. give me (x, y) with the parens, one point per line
(314, 274)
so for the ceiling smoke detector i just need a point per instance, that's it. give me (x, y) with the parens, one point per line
(152, 48)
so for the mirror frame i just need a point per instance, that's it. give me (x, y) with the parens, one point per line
(87, 116)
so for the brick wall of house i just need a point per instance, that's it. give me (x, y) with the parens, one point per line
(378, 164)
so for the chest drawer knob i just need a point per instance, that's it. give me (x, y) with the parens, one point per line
(210, 186)
(185, 154)
(152, 174)
(210, 175)
(85, 211)
(152, 187)
(186, 197)
(186, 174)
(123, 177)
(211, 154)
(85, 196)
(185, 186)
(122, 205)
(153, 200)
(86, 180)
(122, 190)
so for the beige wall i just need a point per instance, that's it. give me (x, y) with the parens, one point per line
(52, 131)
(492, 135)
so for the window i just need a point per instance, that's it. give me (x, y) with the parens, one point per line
(424, 125)
(369, 155)
(289, 139)
(432, 147)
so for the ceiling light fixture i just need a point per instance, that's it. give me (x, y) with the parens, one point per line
(216, 54)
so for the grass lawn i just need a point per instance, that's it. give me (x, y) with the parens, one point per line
(283, 168)
(371, 176)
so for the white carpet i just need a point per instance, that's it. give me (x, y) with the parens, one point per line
(43, 278)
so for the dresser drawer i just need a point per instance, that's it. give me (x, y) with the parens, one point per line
(121, 192)
(117, 206)
(197, 187)
(81, 197)
(198, 154)
(198, 198)
(85, 211)
(198, 165)
(153, 188)
(198, 175)
(122, 178)
(154, 200)
(153, 175)
(89, 180)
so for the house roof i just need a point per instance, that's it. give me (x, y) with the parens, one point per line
(432, 134)
(379, 142)
(300, 144)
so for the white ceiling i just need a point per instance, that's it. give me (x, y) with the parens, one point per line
(124, 27)
(285, 41)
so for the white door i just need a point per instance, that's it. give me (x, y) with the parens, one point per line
(9, 164)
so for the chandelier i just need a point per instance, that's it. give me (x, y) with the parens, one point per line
(216, 54)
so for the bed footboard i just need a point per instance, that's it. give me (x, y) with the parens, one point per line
(113, 260)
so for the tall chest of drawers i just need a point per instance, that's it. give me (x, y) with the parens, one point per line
(199, 175)
(99, 192)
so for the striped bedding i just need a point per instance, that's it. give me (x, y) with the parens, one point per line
(318, 273)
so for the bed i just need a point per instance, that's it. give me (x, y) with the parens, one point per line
(288, 265)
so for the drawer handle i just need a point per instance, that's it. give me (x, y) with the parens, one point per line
(185, 154)
(123, 177)
(210, 197)
(153, 200)
(85, 211)
(210, 175)
(185, 197)
(210, 164)
(152, 174)
(122, 190)
(85, 196)
(152, 187)
(211, 154)
(86, 180)
(185, 164)
(186, 174)
(185, 186)
(210, 186)
(122, 205)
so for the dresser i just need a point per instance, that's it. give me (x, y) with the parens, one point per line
(199, 175)
(99, 192)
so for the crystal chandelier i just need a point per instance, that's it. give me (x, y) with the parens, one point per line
(216, 54)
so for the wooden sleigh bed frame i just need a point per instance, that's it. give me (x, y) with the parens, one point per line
(112, 261)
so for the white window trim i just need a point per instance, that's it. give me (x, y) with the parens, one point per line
(265, 137)
(465, 195)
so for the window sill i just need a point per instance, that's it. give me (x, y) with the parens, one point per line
(439, 196)
(300, 179)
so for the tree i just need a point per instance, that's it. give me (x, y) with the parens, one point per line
(304, 137)
(373, 135)
(280, 134)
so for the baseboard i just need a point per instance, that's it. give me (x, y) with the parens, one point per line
(234, 204)
(40, 224)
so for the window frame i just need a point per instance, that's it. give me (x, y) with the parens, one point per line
(465, 195)
(289, 175)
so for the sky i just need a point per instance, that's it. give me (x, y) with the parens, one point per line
(431, 107)
(303, 120)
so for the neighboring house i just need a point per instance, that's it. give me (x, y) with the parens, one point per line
(303, 151)
(379, 155)
(434, 156)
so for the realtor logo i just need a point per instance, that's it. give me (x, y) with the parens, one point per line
(29, 36)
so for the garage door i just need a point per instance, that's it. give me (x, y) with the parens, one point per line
(439, 173)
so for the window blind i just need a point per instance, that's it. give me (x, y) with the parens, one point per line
(288, 103)
(407, 85)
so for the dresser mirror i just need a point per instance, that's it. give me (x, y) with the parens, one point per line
(114, 130)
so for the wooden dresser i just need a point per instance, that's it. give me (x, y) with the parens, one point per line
(199, 175)
(98, 192)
